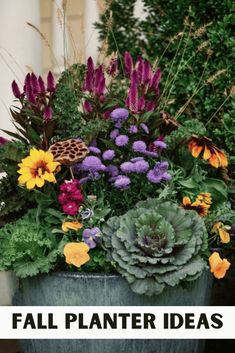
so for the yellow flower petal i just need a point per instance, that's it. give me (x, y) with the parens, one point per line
(71, 225)
(49, 177)
(39, 182)
(36, 155)
(186, 201)
(216, 227)
(52, 166)
(48, 157)
(207, 153)
(218, 266)
(24, 178)
(196, 150)
(30, 184)
(76, 254)
(224, 236)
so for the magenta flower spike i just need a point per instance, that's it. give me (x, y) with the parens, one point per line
(34, 83)
(87, 107)
(113, 67)
(90, 66)
(132, 99)
(147, 72)
(27, 83)
(128, 63)
(30, 95)
(140, 70)
(51, 85)
(41, 83)
(99, 81)
(150, 106)
(88, 84)
(47, 114)
(15, 89)
(141, 103)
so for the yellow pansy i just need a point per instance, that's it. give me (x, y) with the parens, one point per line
(222, 231)
(37, 168)
(71, 225)
(218, 266)
(76, 254)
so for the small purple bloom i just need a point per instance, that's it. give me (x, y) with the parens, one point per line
(133, 129)
(122, 182)
(127, 167)
(112, 170)
(145, 128)
(108, 155)
(113, 134)
(94, 150)
(121, 140)
(137, 159)
(118, 124)
(92, 164)
(141, 166)
(91, 236)
(160, 144)
(15, 89)
(159, 173)
(139, 146)
(119, 114)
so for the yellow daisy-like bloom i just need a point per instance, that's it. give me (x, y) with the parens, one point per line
(37, 168)
(205, 197)
(76, 254)
(222, 230)
(71, 225)
(218, 266)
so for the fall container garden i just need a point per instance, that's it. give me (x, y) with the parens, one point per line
(102, 208)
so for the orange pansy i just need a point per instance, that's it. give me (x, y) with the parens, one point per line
(71, 225)
(218, 266)
(76, 254)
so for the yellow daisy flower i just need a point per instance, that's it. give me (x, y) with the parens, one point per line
(37, 168)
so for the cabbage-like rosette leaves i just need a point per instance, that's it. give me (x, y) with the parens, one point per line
(156, 245)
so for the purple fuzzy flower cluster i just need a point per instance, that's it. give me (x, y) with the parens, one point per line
(37, 94)
(159, 173)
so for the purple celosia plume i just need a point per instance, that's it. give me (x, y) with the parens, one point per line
(15, 89)
(47, 114)
(132, 98)
(51, 85)
(128, 63)
(99, 81)
(34, 83)
(156, 80)
(87, 106)
(3, 140)
(41, 85)
(113, 67)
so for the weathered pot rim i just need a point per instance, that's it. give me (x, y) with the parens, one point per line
(66, 274)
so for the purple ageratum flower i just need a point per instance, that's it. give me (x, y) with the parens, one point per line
(128, 63)
(139, 146)
(119, 114)
(112, 170)
(137, 159)
(15, 89)
(92, 164)
(108, 155)
(145, 128)
(122, 182)
(160, 144)
(51, 85)
(94, 150)
(47, 114)
(91, 236)
(141, 166)
(113, 134)
(127, 167)
(121, 140)
(159, 173)
(133, 129)
(118, 124)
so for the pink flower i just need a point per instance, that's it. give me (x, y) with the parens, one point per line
(70, 208)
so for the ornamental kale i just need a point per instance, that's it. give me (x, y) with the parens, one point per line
(156, 245)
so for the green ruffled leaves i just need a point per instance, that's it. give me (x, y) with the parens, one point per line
(156, 245)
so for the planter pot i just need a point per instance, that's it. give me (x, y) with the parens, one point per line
(79, 289)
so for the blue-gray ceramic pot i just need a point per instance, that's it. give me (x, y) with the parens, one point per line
(84, 289)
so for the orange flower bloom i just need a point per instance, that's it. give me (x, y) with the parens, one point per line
(76, 254)
(222, 231)
(201, 207)
(218, 266)
(211, 153)
(71, 225)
